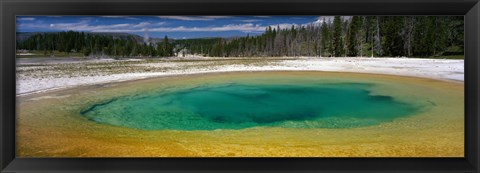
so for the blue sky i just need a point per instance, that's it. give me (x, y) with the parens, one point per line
(178, 27)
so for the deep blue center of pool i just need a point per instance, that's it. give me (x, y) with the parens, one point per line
(238, 106)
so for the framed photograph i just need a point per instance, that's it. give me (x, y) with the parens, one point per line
(251, 86)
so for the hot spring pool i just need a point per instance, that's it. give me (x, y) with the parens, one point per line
(237, 105)
(247, 114)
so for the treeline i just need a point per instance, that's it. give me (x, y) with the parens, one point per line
(198, 46)
(95, 45)
(378, 36)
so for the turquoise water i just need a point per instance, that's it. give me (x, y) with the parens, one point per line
(238, 106)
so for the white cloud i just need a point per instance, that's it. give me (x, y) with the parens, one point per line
(250, 20)
(85, 25)
(141, 25)
(70, 26)
(284, 25)
(328, 19)
(204, 18)
(321, 19)
(26, 18)
(248, 27)
(146, 25)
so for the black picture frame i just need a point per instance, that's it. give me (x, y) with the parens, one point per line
(10, 8)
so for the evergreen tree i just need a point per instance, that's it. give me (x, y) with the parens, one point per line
(352, 37)
(337, 37)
